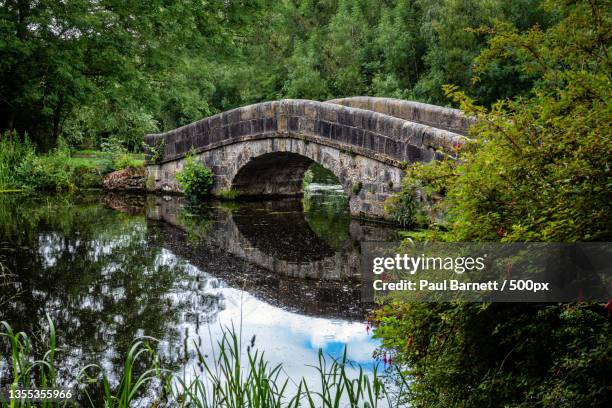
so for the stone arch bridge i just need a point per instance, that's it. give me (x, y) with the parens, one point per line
(264, 149)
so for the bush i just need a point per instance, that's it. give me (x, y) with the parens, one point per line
(407, 209)
(538, 168)
(195, 179)
(499, 355)
(50, 172)
(22, 168)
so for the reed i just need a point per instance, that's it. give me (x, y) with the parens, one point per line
(231, 379)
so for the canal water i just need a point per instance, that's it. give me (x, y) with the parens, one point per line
(108, 268)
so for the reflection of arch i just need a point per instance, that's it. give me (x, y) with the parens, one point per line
(284, 219)
(343, 264)
(225, 252)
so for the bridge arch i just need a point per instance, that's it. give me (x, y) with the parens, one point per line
(264, 149)
(272, 174)
(276, 166)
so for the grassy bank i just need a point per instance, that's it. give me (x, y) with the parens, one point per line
(22, 168)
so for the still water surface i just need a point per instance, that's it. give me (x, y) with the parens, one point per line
(108, 268)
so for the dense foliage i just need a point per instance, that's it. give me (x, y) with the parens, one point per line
(538, 169)
(500, 355)
(60, 169)
(88, 71)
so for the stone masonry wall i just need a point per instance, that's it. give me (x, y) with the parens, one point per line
(371, 134)
(439, 117)
(377, 180)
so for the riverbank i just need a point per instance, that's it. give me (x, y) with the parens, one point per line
(22, 168)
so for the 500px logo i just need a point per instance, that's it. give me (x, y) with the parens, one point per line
(412, 264)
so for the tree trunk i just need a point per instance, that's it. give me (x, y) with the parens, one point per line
(57, 115)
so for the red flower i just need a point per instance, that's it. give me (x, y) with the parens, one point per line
(501, 232)
(608, 306)
(409, 342)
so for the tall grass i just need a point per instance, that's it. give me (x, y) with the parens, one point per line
(13, 150)
(27, 371)
(130, 384)
(228, 381)
(22, 168)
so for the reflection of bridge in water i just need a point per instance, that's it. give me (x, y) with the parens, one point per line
(270, 250)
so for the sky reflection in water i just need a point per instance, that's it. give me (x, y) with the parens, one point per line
(289, 338)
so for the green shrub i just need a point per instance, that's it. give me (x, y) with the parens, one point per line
(195, 179)
(157, 151)
(49, 172)
(538, 168)
(499, 354)
(406, 210)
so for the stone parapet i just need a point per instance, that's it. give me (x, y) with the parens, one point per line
(439, 117)
(372, 134)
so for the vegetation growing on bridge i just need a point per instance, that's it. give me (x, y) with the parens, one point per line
(195, 178)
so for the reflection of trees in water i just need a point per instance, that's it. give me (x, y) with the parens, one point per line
(326, 206)
(196, 221)
(328, 216)
(96, 274)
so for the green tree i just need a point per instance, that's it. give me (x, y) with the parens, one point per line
(124, 62)
(537, 170)
(451, 47)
